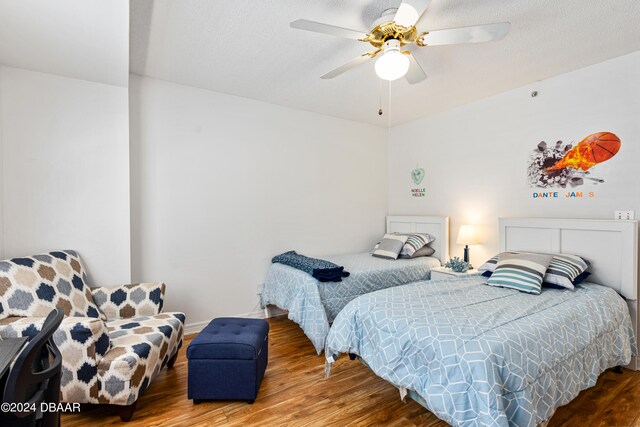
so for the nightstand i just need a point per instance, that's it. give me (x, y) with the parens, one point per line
(440, 273)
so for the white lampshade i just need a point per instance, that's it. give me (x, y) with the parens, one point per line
(393, 64)
(468, 235)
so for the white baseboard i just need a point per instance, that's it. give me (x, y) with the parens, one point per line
(193, 328)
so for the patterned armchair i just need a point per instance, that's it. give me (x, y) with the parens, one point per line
(114, 341)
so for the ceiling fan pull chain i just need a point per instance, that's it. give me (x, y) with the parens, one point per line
(380, 101)
(389, 107)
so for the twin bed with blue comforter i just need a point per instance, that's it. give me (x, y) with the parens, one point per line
(313, 304)
(483, 356)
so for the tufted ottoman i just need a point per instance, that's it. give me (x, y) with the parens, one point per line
(227, 360)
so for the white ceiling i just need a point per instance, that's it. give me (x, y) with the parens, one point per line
(82, 39)
(246, 48)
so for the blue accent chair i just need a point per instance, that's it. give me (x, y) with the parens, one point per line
(227, 360)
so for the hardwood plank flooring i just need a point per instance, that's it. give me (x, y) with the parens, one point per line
(295, 393)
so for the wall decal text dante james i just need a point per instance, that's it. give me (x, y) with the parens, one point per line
(569, 194)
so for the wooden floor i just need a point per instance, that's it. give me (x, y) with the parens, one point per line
(295, 392)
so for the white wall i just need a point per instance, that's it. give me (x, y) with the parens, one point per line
(220, 184)
(1, 179)
(65, 170)
(81, 39)
(476, 156)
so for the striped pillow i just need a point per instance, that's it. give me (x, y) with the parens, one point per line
(490, 264)
(563, 269)
(415, 246)
(521, 271)
(422, 252)
(414, 243)
(390, 246)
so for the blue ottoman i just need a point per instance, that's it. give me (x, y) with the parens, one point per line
(227, 360)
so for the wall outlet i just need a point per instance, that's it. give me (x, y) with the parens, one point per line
(625, 215)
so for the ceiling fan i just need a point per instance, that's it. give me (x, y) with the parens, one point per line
(393, 31)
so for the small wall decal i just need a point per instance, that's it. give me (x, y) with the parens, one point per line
(417, 176)
(563, 165)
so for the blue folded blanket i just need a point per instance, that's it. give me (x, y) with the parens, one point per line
(320, 269)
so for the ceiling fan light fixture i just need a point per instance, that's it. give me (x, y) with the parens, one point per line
(395, 29)
(393, 64)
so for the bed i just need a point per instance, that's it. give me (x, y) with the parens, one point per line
(313, 305)
(479, 355)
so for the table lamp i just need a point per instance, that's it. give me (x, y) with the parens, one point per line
(468, 235)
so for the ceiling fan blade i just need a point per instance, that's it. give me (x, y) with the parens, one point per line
(474, 34)
(350, 65)
(410, 11)
(318, 27)
(415, 74)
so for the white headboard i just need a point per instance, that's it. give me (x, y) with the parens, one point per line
(437, 226)
(611, 246)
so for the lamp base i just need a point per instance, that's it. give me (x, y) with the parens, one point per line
(466, 256)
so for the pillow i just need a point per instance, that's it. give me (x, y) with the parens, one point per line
(422, 252)
(416, 242)
(413, 245)
(563, 269)
(581, 278)
(520, 271)
(33, 286)
(490, 264)
(390, 246)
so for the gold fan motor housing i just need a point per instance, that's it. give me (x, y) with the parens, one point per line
(391, 30)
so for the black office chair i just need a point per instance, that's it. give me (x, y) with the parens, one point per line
(35, 378)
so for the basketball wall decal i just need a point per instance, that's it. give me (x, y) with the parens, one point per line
(595, 148)
(605, 145)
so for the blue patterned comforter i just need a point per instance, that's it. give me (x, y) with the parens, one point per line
(485, 356)
(313, 305)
